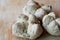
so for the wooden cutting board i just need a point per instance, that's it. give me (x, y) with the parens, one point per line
(10, 9)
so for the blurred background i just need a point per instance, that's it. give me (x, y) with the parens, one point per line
(9, 11)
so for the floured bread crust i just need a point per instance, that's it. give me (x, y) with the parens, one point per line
(30, 8)
(27, 28)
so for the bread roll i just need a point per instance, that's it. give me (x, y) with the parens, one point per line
(30, 8)
(47, 8)
(40, 13)
(30, 28)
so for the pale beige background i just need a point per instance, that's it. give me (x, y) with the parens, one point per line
(10, 9)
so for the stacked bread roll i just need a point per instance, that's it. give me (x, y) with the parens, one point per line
(51, 24)
(28, 24)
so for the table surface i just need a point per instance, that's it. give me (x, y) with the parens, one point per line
(9, 11)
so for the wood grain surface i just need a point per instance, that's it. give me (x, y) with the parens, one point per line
(9, 11)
